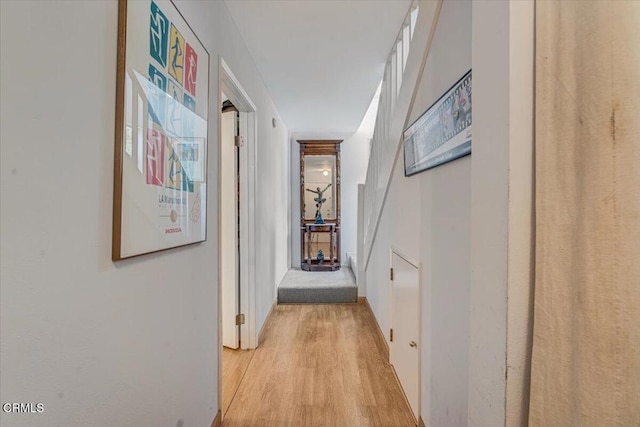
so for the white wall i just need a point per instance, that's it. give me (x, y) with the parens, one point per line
(354, 157)
(521, 275)
(427, 216)
(131, 343)
(502, 211)
(359, 267)
(469, 223)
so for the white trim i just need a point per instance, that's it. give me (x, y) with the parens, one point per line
(237, 95)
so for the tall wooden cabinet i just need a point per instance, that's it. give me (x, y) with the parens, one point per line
(320, 222)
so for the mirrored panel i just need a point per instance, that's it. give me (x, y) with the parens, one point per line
(319, 187)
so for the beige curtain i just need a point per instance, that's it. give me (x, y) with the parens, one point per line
(586, 346)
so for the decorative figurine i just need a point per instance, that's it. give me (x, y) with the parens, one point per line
(319, 201)
(320, 256)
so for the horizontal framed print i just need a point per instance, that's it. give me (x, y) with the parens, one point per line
(160, 174)
(442, 133)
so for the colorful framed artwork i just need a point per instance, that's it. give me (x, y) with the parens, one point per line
(442, 133)
(160, 174)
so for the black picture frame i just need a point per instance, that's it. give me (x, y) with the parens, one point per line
(442, 133)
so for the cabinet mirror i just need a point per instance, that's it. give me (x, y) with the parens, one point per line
(320, 183)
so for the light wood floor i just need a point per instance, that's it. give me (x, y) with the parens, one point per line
(234, 366)
(319, 365)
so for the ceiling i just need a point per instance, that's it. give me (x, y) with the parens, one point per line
(321, 60)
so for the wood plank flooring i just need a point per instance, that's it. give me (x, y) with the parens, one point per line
(319, 365)
(234, 366)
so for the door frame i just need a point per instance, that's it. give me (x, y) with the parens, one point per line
(416, 263)
(230, 85)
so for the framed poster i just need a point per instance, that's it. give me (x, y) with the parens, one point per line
(442, 133)
(160, 176)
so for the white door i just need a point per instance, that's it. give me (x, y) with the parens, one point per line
(229, 231)
(405, 322)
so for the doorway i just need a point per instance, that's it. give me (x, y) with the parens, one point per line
(404, 346)
(236, 225)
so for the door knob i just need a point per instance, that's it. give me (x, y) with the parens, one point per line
(413, 344)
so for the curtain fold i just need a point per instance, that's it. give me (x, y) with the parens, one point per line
(585, 368)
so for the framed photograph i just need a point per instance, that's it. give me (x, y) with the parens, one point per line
(160, 179)
(442, 133)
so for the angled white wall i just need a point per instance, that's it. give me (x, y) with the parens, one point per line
(468, 222)
(103, 344)
(427, 216)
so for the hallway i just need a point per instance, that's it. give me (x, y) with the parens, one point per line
(319, 365)
(418, 212)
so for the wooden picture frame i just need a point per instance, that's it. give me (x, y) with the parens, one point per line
(161, 131)
(443, 132)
